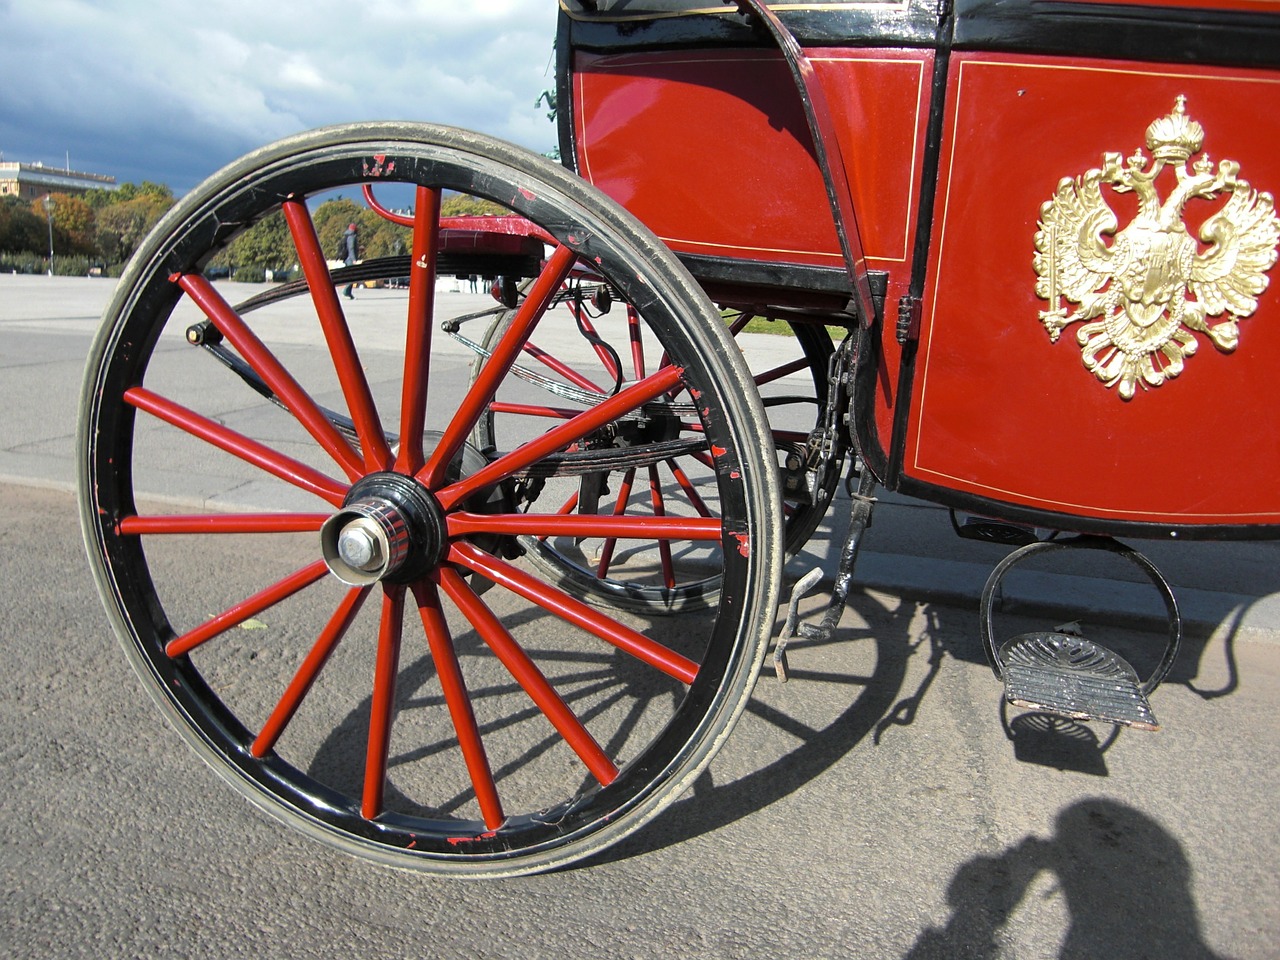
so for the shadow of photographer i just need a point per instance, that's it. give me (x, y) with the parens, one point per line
(1124, 881)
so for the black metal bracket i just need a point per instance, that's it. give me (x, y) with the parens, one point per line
(859, 521)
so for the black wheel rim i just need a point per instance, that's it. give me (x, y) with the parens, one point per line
(122, 411)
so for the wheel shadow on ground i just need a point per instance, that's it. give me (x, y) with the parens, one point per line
(908, 638)
(904, 643)
(876, 704)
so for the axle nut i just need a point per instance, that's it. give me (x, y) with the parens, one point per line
(365, 541)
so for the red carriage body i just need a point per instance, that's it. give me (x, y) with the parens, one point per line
(956, 131)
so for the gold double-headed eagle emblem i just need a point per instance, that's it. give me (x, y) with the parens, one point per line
(1146, 291)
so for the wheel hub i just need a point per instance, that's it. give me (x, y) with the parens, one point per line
(389, 528)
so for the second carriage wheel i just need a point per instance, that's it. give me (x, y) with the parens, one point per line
(316, 571)
(659, 460)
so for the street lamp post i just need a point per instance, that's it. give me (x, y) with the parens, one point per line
(48, 215)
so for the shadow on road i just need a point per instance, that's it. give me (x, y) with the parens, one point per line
(1124, 880)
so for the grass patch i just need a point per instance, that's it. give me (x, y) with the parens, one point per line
(775, 327)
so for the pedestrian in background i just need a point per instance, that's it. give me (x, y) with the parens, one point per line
(348, 254)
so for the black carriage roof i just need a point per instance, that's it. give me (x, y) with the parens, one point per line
(1245, 33)
(644, 23)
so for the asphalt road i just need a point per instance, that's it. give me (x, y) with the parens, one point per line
(872, 807)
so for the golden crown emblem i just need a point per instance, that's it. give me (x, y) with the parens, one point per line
(1144, 295)
(1176, 137)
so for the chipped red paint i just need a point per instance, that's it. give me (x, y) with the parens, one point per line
(744, 544)
(718, 451)
(380, 166)
(528, 194)
(487, 835)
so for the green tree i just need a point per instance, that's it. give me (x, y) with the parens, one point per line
(267, 245)
(21, 231)
(120, 227)
(99, 198)
(72, 223)
(378, 237)
(331, 219)
(464, 205)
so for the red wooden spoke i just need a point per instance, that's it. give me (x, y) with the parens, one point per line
(445, 659)
(373, 442)
(461, 524)
(534, 410)
(664, 547)
(777, 373)
(619, 508)
(562, 368)
(574, 611)
(686, 485)
(637, 345)
(251, 451)
(743, 319)
(382, 707)
(485, 385)
(245, 609)
(221, 523)
(417, 353)
(606, 358)
(310, 668)
(273, 373)
(559, 437)
(567, 507)
(529, 677)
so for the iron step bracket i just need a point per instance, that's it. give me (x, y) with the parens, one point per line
(859, 519)
(1069, 676)
(991, 530)
(789, 629)
(1074, 678)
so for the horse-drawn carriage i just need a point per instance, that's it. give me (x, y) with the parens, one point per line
(1013, 280)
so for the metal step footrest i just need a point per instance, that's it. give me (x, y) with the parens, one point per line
(1075, 678)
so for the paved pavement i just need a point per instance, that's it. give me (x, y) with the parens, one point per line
(910, 551)
(872, 807)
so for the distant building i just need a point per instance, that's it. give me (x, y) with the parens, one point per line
(33, 180)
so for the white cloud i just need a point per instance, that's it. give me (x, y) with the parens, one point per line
(170, 91)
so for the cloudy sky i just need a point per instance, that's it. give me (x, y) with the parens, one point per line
(170, 90)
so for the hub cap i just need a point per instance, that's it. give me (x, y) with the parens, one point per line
(390, 528)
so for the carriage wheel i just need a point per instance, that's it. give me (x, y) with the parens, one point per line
(601, 348)
(315, 570)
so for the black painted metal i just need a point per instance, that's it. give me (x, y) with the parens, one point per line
(617, 25)
(1174, 35)
(924, 237)
(1116, 30)
(969, 503)
(1074, 678)
(859, 520)
(421, 513)
(991, 591)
